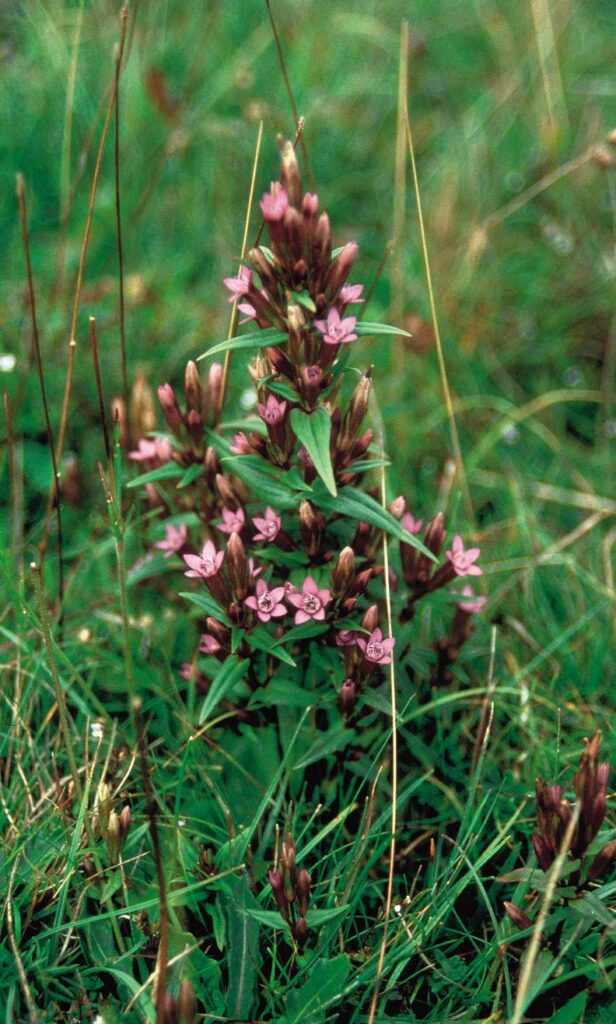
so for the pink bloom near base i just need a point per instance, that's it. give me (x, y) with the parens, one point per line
(463, 561)
(268, 525)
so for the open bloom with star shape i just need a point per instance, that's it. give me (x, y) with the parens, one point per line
(272, 412)
(410, 524)
(351, 293)
(175, 538)
(375, 648)
(158, 450)
(239, 285)
(309, 601)
(233, 521)
(463, 562)
(206, 564)
(268, 525)
(267, 603)
(274, 203)
(335, 330)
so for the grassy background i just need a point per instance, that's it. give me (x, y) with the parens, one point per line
(500, 95)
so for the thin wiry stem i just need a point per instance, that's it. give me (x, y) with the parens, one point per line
(394, 774)
(23, 977)
(13, 480)
(397, 270)
(118, 209)
(233, 320)
(99, 387)
(72, 345)
(287, 82)
(55, 455)
(455, 441)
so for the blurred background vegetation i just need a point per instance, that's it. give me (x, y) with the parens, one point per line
(501, 98)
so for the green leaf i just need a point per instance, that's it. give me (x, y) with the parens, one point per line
(307, 1005)
(283, 693)
(243, 946)
(205, 601)
(263, 641)
(276, 487)
(590, 906)
(166, 472)
(573, 1010)
(256, 339)
(304, 299)
(280, 387)
(192, 473)
(230, 673)
(313, 430)
(363, 328)
(357, 505)
(307, 629)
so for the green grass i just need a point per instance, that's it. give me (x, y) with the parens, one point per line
(526, 315)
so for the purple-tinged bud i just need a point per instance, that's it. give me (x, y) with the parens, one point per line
(194, 426)
(397, 508)
(278, 890)
(302, 891)
(113, 839)
(435, 533)
(361, 539)
(264, 269)
(340, 268)
(516, 915)
(226, 492)
(288, 855)
(300, 932)
(103, 807)
(192, 386)
(169, 1010)
(343, 573)
(358, 407)
(293, 225)
(310, 204)
(89, 868)
(310, 527)
(312, 378)
(217, 629)
(212, 392)
(603, 774)
(238, 567)
(602, 862)
(370, 619)
(170, 407)
(187, 1003)
(119, 415)
(211, 465)
(321, 249)
(125, 822)
(289, 172)
(544, 855)
(361, 581)
(347, 696)
(274, 203)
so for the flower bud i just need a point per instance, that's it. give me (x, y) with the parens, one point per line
(516, 915)
(119, 415)
(397, 508)
(300, 932)
(113, 837)
(343, 572)
(287, 858)
(212, 393)
(125, 822)
(545, 856)
(192, 386)
(370, 620)
(217, 629)
(169, 1011)
(289, 172)
(340, 268)
(103, 807)
(170, 407)
(309, 527)
(302, 892)
(358, 407)
(602, 862)
(186, 1003)
(275, 879)
(435, 533)
(238, 566)
(347, 697)
(226, 492)
(194, 426)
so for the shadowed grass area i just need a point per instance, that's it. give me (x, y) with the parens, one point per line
(510, 106)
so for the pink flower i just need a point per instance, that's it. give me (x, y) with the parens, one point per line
(334, 330)
(346, 638)
(375, 649)
(267, 603)
(175, 538)
(233, 521)
(310, 203)
(463, 561)
(350, 293)
(267, 525)
(310, 602)
(208, 644)
(272, 412)
(241, 445)
(158, 450)
(473, 606)
(206, 564)
(239, 285)
(248, 310)
(410, 524)
(254, 570)
(274, 203)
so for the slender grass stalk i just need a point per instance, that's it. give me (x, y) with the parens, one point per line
(14, 482)
(287, 82)
(99, 387)
(54, 493)
(397, 269)
(118, 210)
(65, 165)
(19, 964)
(53, 667)
(233, 320)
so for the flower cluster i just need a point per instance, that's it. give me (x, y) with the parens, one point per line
(291, 888)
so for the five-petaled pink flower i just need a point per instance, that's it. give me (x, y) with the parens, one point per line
(233, 521)
(463, 562)
(208, 644)
(272, 412)
(175, 538)
(206, 564)
(376, 649)
(336, 331)
(239, 285)
(274, 203)
(267, 603)
(268, 525)
(240, 444)
(410, 524)
(471, 604)
(158, 450)
(351, 293)
(310, 601)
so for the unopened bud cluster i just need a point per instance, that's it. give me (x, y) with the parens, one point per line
(113, 827)
(291, 888)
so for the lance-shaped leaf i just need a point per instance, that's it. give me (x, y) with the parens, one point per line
(363, 328)
(256, 339)
(313, 430)
(357, 505)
